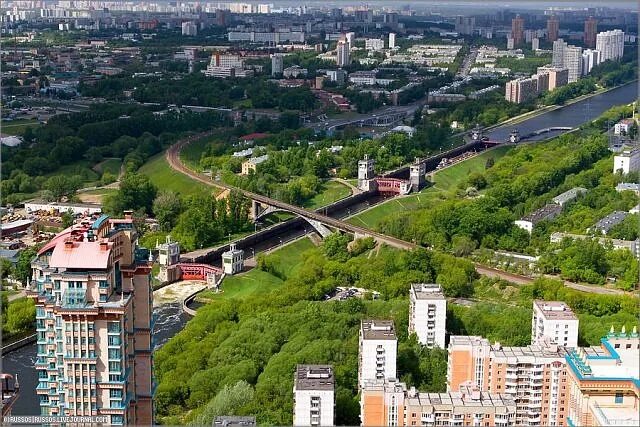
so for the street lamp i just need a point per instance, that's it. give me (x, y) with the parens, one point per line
(253, 253)
(279, 238)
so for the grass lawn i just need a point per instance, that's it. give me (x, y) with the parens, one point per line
(80, 167)
(332, 191)
(109, 165)
(192, 152)
(96, 196)
(17, 127)
(255, 282)
(165, 178)
(449, 178)
(288, 259)
(445, 181)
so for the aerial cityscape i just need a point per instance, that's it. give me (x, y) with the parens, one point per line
(383, 213)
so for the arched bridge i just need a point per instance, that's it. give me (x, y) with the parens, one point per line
(173, 158)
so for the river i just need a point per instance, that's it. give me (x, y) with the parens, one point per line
(169, 320)
(570, 116)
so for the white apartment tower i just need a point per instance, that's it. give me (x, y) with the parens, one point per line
(350, 38)
(556, 321)
(428, 314)
(610, 44)
(378, 349)
(343, 57)
(392, 40)
(572, 59)
(590, 58)
(374, 44)
(313, 395)
(277, 64)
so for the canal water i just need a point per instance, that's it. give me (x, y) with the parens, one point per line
(169, 320)
(570, 116)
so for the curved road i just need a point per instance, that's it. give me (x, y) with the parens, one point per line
(173, 158)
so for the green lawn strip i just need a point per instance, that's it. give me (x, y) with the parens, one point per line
(165, 178)
(332, 191)
(254, 282)
(18, 127)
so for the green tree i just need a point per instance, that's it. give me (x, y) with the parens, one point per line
(167, 207)
(229, 401)
(136, 192)
(67, 219)
(23, 266)
(21, 315)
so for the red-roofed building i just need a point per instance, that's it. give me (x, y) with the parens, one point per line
(253, 137)
(93, 321)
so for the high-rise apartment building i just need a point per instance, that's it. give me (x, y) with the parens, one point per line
(557, 59)
(535, 43)
(343, 57)
(517, 30)
(610, 44)
(428, 314)
(590, 30)
(189, 28)
(557, 76)
(568, 56)
(93, 322)
(590, 58)
(572, 60)
(313, 395)
(554, 320)
(277, 64)
(553, 28)
(378, 349)
(374, 44)
(389, 403)
(542, 82)
(534, 376)
(392, 40)
(465, 24)
(350, 38)
(521, 90)
(604, 382)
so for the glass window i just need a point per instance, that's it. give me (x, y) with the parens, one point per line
(619, 398)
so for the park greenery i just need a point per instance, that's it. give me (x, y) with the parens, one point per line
(525, 179)
(239, 353)
(57, 158)
(18, 317)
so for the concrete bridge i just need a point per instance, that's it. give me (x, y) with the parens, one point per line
(315, 218)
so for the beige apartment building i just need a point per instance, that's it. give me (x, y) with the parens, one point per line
(390, 403)
(534, 376)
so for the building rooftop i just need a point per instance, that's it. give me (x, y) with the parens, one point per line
(555, 310)
(377, 330)
(258, 160)
(234, 421)
(542, 213)
(610, 221)
(627, 186)
(314, 377)
(467, 340)
(81, 255)
(459, 399)
(531, 351)
(569, 195)
(426, 291)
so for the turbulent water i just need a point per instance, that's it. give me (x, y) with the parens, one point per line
(169, 320)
